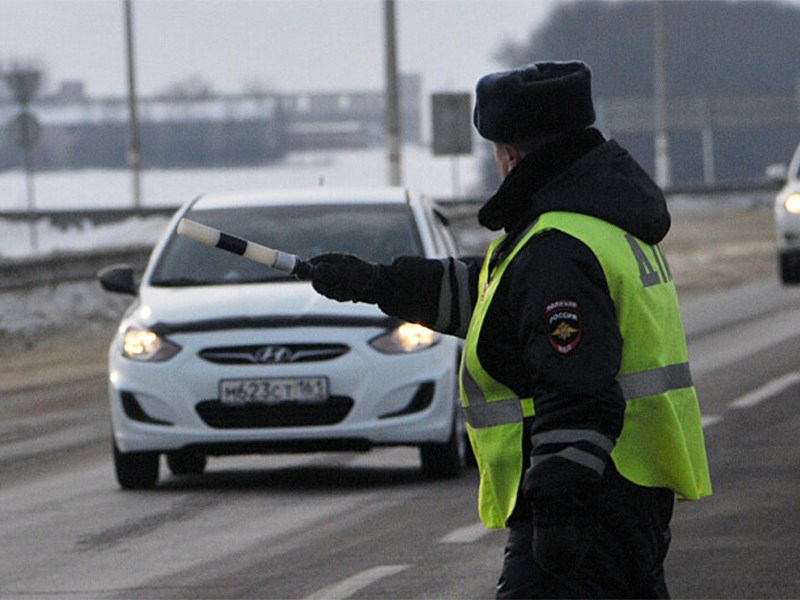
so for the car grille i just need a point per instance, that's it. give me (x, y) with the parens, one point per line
(262, 416)
(270, 354)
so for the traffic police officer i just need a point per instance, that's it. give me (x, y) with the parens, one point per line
(575, 380)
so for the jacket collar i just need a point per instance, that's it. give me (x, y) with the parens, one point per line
(512, 201)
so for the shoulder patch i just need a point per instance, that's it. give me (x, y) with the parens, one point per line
(564, 325)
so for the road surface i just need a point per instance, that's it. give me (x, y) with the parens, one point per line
(367, 525)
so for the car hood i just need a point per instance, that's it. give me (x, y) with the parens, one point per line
(285, 302)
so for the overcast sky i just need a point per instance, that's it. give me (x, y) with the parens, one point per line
(284, 45)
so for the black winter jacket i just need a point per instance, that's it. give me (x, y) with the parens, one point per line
(572, 380)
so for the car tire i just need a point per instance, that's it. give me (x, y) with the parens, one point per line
(470, 461)
(186, 462)
(136, 470)
(447, 460)
(789, 268)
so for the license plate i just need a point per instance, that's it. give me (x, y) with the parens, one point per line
(274, 390)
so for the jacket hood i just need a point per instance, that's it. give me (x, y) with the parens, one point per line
(585, 175)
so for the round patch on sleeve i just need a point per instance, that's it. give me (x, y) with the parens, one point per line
(564, 325)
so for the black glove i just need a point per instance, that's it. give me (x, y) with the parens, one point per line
(561, 537)
(345, 277)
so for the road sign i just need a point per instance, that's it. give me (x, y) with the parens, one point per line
(25, 129)
(452, 123)
(23, 84)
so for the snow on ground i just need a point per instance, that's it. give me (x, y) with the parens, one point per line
(113, 188)
(439, 177)
(78, 307)
(19, 243)
(29, 312)
(100, 189)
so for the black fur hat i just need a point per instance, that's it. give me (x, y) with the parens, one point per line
(540, 100)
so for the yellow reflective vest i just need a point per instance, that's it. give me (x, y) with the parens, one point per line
(661, 444)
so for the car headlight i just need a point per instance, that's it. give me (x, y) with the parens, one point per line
(147, 346)
(405, 338)
(792, 204)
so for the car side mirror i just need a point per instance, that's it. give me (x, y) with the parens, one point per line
(777, 173)
(117, 279)
(472, 259)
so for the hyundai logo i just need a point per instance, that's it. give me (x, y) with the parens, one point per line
(273, 355)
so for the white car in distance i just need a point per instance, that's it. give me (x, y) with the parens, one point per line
(787, 218)
(219, 355)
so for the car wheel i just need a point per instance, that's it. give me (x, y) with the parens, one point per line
(186, 462)
(789, 268)
(447, 460)
(136, 470)
(469, 456)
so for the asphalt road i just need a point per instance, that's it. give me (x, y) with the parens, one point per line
(366, 525)
(743, 542)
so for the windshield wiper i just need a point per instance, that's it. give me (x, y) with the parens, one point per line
(191, 281)
(183, 282)
(269, 279)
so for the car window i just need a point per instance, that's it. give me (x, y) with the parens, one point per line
(377, 233)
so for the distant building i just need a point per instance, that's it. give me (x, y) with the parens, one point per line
(209, 130)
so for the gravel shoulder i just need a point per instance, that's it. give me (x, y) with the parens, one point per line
(716, 250)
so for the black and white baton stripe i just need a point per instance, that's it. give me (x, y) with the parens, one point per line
(283, 261)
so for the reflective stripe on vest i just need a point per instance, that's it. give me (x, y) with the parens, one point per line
(481, 414)
(655, 381)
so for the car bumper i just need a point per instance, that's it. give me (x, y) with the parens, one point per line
(375, 399)
(787, 227)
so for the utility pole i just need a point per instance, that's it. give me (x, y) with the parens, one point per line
(393, 130)
(134, 148)
(663, 170)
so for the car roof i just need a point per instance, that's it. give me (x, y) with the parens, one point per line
(302, 196)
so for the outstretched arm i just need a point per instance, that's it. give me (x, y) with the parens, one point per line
(438, 293)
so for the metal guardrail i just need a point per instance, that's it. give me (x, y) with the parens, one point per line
(64, 267)
(458, 210)
(66, 218)
(69, 267)
(719, 189)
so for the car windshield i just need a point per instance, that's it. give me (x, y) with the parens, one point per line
(377, 233)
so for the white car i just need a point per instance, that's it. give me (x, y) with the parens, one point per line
(219, 355)
(787, 219)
